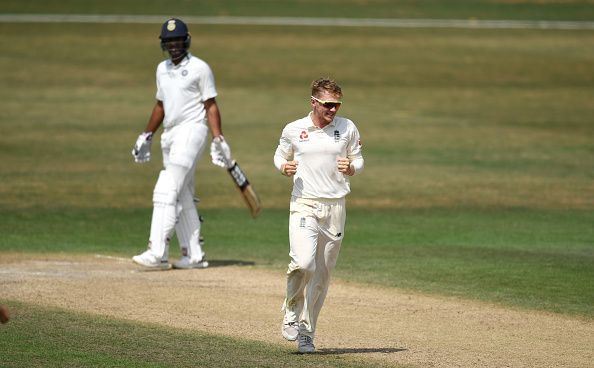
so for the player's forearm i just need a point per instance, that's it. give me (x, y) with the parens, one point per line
(214, 117)
(350, 166)
(357, 165)
(279, 161)
(157, 116)
(285, 166)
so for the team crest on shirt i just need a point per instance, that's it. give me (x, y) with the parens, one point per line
(184, 72)
(303, 136)
(336, 136)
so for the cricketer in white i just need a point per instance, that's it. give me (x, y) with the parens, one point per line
(320, 151)
(186, 107)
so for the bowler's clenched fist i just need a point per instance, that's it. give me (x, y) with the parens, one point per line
(344, 166)
(290, 168)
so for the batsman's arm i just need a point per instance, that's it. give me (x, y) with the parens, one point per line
(213, 115)
(142, 148)
(156, 119)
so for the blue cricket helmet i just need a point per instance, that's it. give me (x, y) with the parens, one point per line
(175, 28)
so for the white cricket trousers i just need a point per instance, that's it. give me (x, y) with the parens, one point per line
(173, 197)
(316, 230)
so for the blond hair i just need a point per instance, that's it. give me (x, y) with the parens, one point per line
(325, 84)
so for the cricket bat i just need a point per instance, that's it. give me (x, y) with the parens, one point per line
(247, 191)
(240, 179)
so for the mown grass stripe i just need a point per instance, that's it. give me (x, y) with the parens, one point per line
(304, 21)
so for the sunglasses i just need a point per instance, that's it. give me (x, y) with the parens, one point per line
(328, 104)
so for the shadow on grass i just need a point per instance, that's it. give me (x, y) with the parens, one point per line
(229, 262)
(339, 351)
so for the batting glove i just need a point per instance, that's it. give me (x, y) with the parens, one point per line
(220, 152)
(142, 148)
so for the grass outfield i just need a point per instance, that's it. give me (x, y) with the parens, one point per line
(532, 259)
(438, 9)
(80, 340)
(461, 126)
(454, 119)
(478, 147)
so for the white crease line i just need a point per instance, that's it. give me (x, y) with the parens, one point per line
(119, 259)
(52, 273)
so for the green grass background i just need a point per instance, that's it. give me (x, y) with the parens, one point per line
(67, 339)
(478, 144)
(450, 9)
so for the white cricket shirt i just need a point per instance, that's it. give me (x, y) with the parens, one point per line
(316, 151)
(183, 88)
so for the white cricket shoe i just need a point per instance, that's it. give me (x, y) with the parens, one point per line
(185, 263)
(290, 330)
(148, 260)
(306, 345)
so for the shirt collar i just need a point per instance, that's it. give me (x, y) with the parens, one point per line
(184, 61)
(313, 126)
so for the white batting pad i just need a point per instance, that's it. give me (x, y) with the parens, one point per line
(188, 234)
(165, 212)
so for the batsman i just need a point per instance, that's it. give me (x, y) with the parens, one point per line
(320, 151)
(186, 107)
